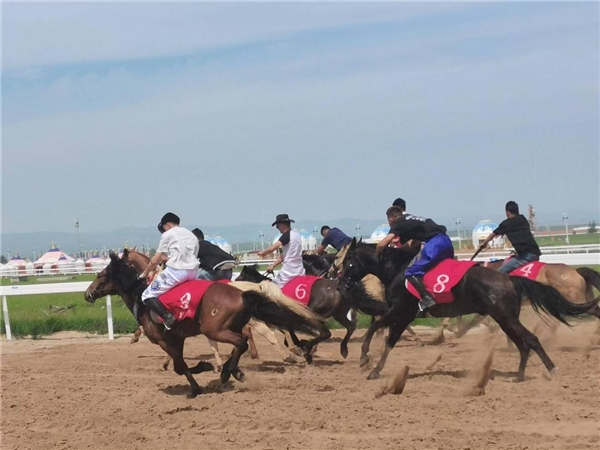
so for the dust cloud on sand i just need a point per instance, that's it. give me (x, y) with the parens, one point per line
(74, 392)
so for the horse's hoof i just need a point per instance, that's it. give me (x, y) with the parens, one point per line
(194, 393)
(239, 375)
(225, 376)
(308, 358)
(165, 367)
(290, 359)
(364, 360)
(344, 352)
(296, 351)
(134, 340)
(519, 379)
(374, 375)
(204, 366)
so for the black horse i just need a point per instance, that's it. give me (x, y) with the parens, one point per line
(327, 301)
(482, 291)
(317, 265)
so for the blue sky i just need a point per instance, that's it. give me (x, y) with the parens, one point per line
(230, 113)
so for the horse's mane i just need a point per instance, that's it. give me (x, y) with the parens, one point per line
(316, 261)
(124, 275)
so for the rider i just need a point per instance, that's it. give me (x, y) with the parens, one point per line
(215, 263)
(437, 247)
(517, 230)
(334, 237)
(291, 243)
(179, 247)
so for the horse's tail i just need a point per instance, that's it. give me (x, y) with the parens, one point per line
(590, 276)
(283, 313)
(549, 300)
(360, 299)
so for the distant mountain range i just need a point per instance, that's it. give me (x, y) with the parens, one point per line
(242, 235)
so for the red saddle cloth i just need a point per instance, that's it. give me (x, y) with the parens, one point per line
(530, 270)
(442, 278)
(182, 301)
(300, 288)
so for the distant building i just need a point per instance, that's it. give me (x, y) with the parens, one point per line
(220, 242)
(482, 230)
(379, 233)
(309, 241)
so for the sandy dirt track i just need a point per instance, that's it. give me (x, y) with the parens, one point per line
(72, 392)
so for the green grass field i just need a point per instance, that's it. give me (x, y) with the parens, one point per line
(30, 314)
(574, 239)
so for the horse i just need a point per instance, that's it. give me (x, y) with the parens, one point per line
(221, 315)
(327, 301)
(576, 285)
(481, 290)
(317, 265)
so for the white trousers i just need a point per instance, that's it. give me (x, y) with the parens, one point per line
(167, 280)
(284, 278)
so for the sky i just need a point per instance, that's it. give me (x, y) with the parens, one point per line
(115, 113)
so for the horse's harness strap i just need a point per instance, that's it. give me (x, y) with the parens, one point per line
(136, 311)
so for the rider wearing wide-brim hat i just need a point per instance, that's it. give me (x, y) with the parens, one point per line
(179, 247)
(291, 257)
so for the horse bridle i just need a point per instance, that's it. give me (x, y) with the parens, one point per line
(347, 281)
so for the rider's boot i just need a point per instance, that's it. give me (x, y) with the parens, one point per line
(155, 305)
(427, 300)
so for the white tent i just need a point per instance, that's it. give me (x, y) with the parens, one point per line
(54, 256)
(16, 260)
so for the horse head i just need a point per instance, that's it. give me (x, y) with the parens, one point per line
(119, 276)
(352, 268)
(251, 273)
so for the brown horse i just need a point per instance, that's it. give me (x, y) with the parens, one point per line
(576, 285)
(327, 301)
(223, 312)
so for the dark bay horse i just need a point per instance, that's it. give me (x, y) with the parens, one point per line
(317, 265)
(327, 301)
(483, 291)
(223, 312)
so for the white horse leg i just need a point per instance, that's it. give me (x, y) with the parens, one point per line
(295, 350)
(215, 348)
(266, 332)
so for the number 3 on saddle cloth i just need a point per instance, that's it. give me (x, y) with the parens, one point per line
(440, 280)
(300, 288)
(182, 301)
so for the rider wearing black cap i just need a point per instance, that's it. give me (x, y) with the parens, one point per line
(179, 247)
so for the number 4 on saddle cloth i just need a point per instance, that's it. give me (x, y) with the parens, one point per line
(300, 288)
(440, 280)
(182, 301)
(530, 270)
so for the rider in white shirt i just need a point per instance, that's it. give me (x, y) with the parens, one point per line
(179, 247)
(291, 257)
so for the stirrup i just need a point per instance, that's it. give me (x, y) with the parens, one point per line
(424, 305)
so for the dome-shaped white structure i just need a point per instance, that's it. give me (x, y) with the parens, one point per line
(29, 268)
(309, 242)
(379, 233)
(220, 242)
(482, 230)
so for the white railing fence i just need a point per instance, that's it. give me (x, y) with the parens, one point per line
(55, 288)
(574, 259)
(9, 271)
